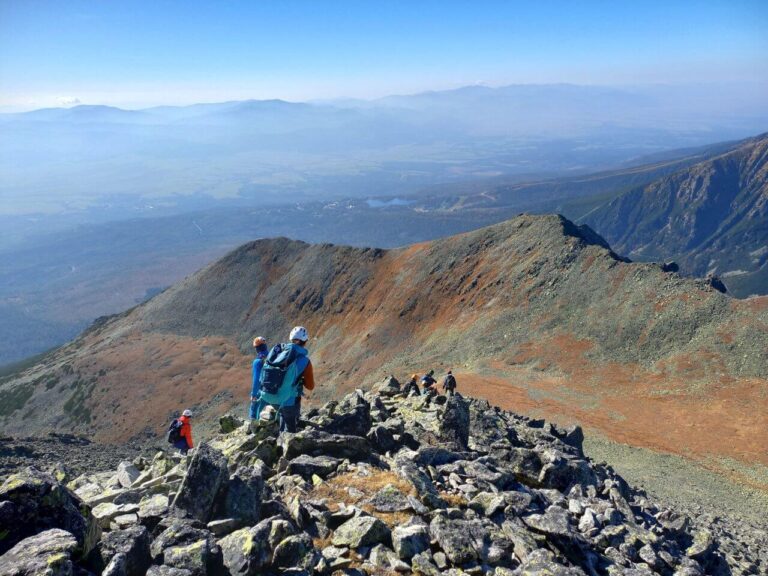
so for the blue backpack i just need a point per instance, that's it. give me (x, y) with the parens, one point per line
(276, 366)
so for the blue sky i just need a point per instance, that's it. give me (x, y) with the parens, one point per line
(142, 53)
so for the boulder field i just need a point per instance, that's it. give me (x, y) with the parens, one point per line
(375, 483)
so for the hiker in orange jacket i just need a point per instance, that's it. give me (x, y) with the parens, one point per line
(185, 442)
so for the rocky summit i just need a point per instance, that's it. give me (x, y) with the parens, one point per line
(374, 483)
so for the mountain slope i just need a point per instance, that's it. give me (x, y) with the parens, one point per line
(711, 217)
(535, 313)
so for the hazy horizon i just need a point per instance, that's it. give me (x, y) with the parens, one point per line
(143, 54)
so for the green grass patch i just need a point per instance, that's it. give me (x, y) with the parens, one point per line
(15, 398)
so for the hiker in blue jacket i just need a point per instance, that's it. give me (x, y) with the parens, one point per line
(286, 372)
(260, 344)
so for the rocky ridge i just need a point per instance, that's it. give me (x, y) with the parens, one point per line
(375, 483)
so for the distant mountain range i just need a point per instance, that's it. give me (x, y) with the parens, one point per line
(534, 312)
(65, 160)
(711, 217)
(54, 286)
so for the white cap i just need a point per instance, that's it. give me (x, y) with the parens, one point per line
(299, 333)
(187, 413)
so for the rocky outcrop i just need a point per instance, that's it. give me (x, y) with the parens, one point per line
(461, 489)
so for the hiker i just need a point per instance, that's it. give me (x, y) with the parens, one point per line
(412, 386)
(449, 384)
(184, 443)
(427, 383)
(287, 370)
(260, 344)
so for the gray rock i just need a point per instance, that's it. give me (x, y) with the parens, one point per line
(243, 496)
(389, 499)
(466, 541)
(127, 474)
(167, 571)
(389, 387)
(37, 502)
(246, 552)
(223, 527)
(543, 563)
(553, 522)
(454, 423)
(382, 439)
(229, 423)
(152, 509)
(307, 466)
(361, 531)
(317, 443)
(293, 551)
(385, 559)
(206, 476)
(488, 503)
(132, 543)
(178, 532)
(199, 557)
(48, 553)
(118, 566)
(409, 541)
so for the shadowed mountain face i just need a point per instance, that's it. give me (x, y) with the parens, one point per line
(535, 313)
(711, 217)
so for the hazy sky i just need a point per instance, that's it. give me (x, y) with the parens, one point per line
(142, 53)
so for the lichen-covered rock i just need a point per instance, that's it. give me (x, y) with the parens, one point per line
(199, 558)
(178, 533)
(293, 551)
(243, 495)
(389, 387)
(127, 474)
(206, 476)
(308, 466)
(246, 552)
(48, 553)
(229, 423)
(132, 543)
(410, 540)
(389, 499)
(319, 443)
(361, 531)
(543, 563)
(554, 522)
(152, 509)
(34, 502)
(453, 428)
(351, 417)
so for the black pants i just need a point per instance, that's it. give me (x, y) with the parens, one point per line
(289, 416)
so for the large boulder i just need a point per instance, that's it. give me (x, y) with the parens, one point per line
(352, 416)
(48, 553)
(308, 466)
(361, 531)
(127, 474)
(132, 543)
(246, 552)
(389, 387)
(242, 500)
(177, 532)
(410, 540)
(453, 428)
(206, 476)
(319, 443)
(32, 501)
(470, 540)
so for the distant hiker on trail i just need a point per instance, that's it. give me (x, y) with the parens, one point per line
(412, 386)
(428, 382)
(180, 432)
(286, 371)
(449, 384)
(260, 344)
